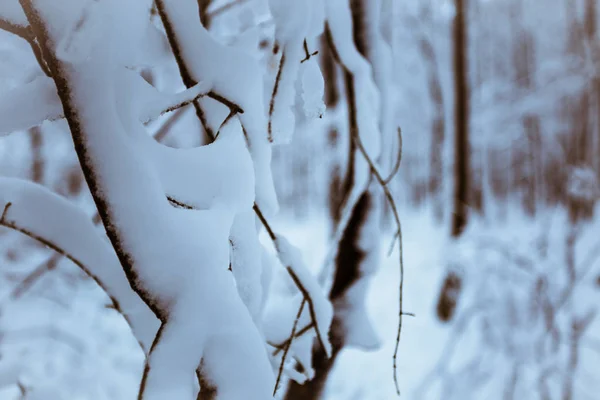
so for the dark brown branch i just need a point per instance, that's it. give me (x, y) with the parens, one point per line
(461, 134)
(82, 149)
(274, 95)
(307, 53)
(181, 104)
(179, 204)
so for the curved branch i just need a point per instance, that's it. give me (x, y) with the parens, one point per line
(51, 220)
(398, 159)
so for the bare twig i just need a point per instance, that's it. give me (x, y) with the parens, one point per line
(281, 346)
(274, 95)
(398, 159)
(392, 203)
(175, 106)
(307, 53)
(288, 345)
(311, 306)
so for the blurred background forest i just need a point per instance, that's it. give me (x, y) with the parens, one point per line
(505, 309)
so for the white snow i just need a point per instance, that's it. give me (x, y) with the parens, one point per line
(29, 105)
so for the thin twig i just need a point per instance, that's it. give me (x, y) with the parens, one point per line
(281, 346)
(288, 345)
(36, 274)
(391, 202)
(274, 95)
(311, 306)
(398, 159)
(307, 53)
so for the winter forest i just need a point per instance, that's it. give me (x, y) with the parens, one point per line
(299, 199)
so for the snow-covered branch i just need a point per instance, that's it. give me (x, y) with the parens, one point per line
(175, 259)
(191, 44)
(33, 210)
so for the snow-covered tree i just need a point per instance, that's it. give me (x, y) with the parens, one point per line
(179, 254)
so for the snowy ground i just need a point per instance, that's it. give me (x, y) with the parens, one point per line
(368, 375)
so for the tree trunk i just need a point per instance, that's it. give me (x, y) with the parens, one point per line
(436, 172)
(451, 287)
(461, 120)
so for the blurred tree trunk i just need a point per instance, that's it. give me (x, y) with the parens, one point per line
(204, 15)
(452, 284)
(461, 121)
(332, 98)
(37, 162)
(523, 59)
(436, 171)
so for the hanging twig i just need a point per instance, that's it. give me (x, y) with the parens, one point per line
(391, 202)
